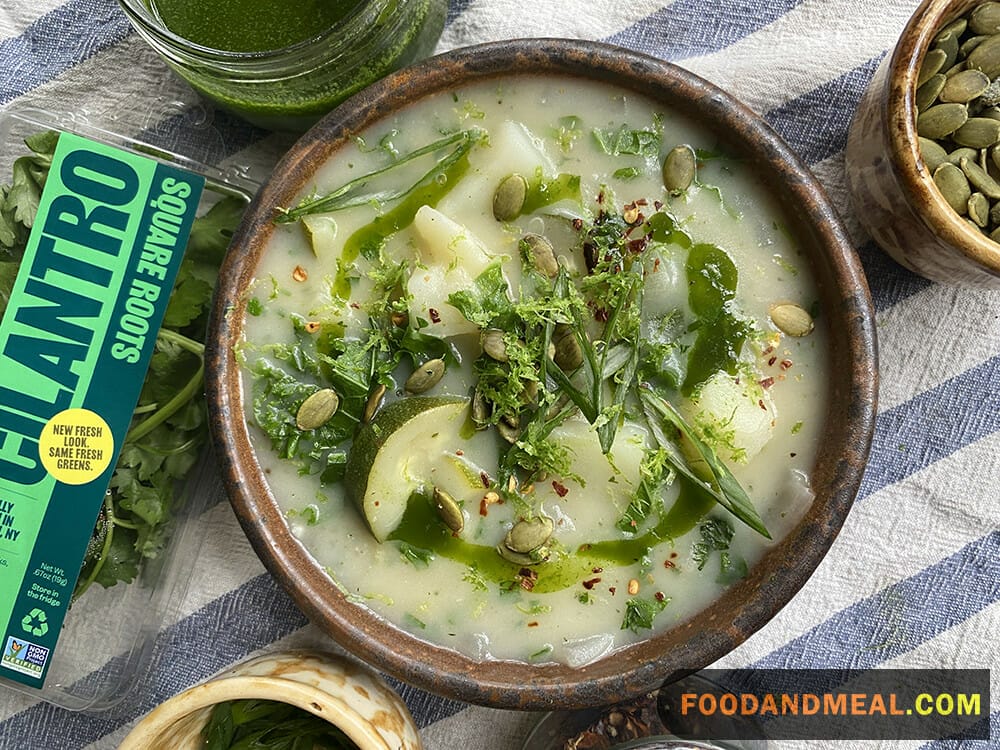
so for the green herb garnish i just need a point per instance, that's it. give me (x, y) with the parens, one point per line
(254, 724)
(640, 613)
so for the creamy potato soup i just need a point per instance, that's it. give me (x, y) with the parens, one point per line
(533, 371)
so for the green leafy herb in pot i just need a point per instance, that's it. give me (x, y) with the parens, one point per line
(168, 428)
(253, 724)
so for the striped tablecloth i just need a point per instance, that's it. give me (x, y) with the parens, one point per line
(914, 578)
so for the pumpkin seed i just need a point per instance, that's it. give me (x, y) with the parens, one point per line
(941, 120)
(948, 42)
(373, 403)
(481, 410)
(568, 354)
(317, 409)
(492, 343)
(933, 63)
(956, 27)
(529, 534)
(956, 156)
(425, 377)
(967, 45)
(980, 179)
(508, 200)
(956, 68)
(927, 94)
(962, 87)
(540, 254)
(679, 168)
(992, 113)
(536, 557)
(508, 432)
(932, 153)
(792, 319)
(986, 56)
(979, 209)
(985, 18)
(954, 186)
(977, 132)
(449, 510)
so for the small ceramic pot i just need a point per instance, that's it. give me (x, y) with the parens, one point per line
(893, 191)
(350, 697)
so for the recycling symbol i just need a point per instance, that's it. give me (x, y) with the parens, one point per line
(35, 622)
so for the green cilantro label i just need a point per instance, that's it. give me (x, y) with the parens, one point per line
(75, 342)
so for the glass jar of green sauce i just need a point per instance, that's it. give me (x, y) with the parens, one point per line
(283, 65)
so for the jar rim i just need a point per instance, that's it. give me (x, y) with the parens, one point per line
(142, 15)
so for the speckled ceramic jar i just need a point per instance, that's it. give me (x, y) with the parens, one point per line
(893, 191)
(348, 696)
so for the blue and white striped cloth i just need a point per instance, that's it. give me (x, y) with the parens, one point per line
(914, 578)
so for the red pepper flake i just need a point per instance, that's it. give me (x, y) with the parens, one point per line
(765, 383)
(637, 246)
(769, 350)
(597, 570)
(612, 590)
(642, 202)
(656, 265)
(793, 455)
(659, 596)
(299, 274)
(355, 306)
(578, 224)
(601, 315)
(760, 401)
(669, 564)
(459, 452)
(673, 555)
(484, 507)
(533, 624)
(561, 489)
(591, 583)
(785, 364)
(484, 478)
(435, 315)
(657, 205)
(771, 361)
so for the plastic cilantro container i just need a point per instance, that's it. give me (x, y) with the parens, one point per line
(108, 634)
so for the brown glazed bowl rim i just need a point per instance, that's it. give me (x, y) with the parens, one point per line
(743, 609)
(901, 128)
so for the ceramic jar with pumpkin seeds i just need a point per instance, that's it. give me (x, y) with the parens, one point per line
(958, 117)
(923, 151)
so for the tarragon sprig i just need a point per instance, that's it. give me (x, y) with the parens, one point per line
(352, 192)
(720, 484)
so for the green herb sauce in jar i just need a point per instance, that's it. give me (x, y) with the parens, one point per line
(251, 25)
(283, 66)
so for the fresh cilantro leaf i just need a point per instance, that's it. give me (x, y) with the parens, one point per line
(416, 556)
(488, 298)
(716, 535)
(640, 613)
(626, 140)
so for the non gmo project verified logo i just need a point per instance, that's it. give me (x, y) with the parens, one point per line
(24, 657)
